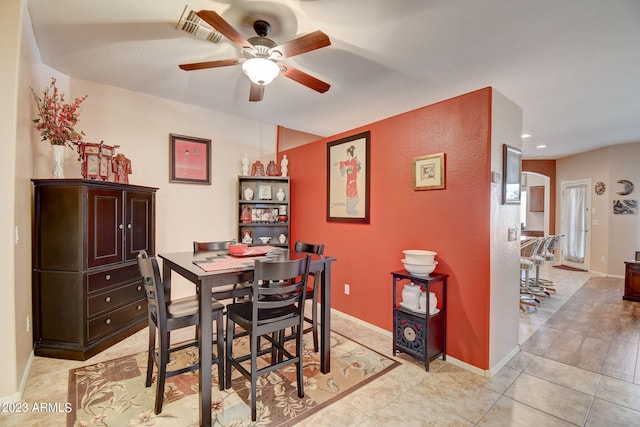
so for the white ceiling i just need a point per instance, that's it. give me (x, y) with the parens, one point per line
(572, 65)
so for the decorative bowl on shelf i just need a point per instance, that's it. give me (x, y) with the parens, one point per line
(237, 248)
(419, 269)
(419, 256)
(264, 240)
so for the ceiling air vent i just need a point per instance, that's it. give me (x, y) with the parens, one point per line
(192, 24)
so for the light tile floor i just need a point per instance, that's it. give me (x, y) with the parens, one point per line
(530, 390)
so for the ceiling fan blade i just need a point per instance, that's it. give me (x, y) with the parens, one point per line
(304, 78)
(211, 64)
(217, 22)
(256, 92)
(302, 44)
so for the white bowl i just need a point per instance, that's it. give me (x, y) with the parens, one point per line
(264, 240)
(419, 269)
(419, 256)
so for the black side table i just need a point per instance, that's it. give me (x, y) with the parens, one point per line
(420, 335)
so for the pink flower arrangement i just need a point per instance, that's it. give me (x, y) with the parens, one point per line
(56, 119)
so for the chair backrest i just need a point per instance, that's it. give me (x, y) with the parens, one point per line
(311, 248)
(530, 247)
(555, 242)
(544, 245)
(211, 246)
(279, 286)
(154, 287)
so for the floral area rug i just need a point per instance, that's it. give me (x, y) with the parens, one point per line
(113, 393)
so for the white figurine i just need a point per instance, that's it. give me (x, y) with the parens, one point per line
(245, 165)
(283, 165)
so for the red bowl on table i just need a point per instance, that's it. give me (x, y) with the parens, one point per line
(237, 248)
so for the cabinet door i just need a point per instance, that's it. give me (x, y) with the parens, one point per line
(632, 281)
(139, 223)
(537, 198)
(104, 228)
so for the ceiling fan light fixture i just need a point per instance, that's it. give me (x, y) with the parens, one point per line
(260, 71)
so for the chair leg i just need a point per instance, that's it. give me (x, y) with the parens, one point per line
(162, 374)
(314, 314)
(150, 352)
(254, 376)
(299, 370)
(220, 350)
(229, 353)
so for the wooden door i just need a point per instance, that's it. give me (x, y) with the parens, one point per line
(104, 228)
(139, 223)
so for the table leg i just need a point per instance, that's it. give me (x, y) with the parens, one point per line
(205, 338)
(325, 320)
(166, 278)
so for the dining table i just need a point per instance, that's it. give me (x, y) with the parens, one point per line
(193, 267)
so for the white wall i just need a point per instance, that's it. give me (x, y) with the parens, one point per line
(11, 25)
(614, 238)
(506, 128)
(141, 125)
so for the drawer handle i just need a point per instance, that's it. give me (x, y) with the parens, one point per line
(108, 321)
(139, 307)
(107, 277)
(108, 299)
(120, 226)
(129, 226)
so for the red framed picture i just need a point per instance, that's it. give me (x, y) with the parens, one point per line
(189, 160)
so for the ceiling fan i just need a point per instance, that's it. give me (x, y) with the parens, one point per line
(262, 55)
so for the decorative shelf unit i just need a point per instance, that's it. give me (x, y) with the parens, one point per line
(418, 334)
(260, 210)
(86, 288)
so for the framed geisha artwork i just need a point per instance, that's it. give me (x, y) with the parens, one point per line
(189, 159)
(348, 178)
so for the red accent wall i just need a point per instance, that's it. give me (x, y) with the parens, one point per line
(453, 222)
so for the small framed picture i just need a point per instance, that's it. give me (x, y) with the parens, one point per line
(429, 172)
(189, 160)
(264, 192)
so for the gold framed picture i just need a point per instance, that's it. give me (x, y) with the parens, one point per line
(429, 172)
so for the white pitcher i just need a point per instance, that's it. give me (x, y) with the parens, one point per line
(411, 295)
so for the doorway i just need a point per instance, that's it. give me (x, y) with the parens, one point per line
(576, 207)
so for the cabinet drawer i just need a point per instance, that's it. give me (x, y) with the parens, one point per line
(114, 320)
(112, 277)
(115, 298)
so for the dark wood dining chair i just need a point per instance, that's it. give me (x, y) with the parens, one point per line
(233, 291)
(166, 316)
(279, 289)
(313, 289)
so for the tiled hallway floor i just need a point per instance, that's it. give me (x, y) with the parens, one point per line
(577, 366)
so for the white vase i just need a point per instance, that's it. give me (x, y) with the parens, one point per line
(280, 195)
(58, 160)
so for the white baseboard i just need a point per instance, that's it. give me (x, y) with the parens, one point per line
(17, 397)
(493, 371)
(450, 359)
(362, 322)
